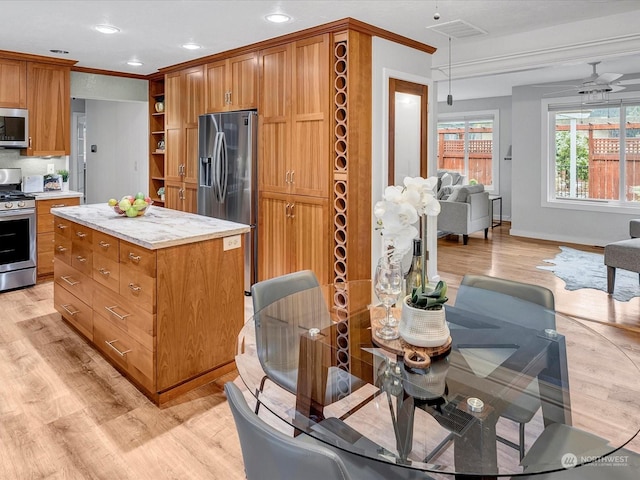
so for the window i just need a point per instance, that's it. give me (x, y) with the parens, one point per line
(594, 154)
(468, 144)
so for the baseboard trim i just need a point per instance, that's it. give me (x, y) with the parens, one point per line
(592, 242)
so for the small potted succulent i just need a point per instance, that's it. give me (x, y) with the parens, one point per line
(423, 322)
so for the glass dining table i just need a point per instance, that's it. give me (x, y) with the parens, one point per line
(381, 401)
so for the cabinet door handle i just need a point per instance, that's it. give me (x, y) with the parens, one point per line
(57, 205)
(62, 226)
(292, 207)
(286, 177)
(135, 288)
(119, 352)
(61, 249)
(104, 244)
(71, 282)
(70, 312)
(112, 311)
(104, 272)
(293, 172)
(80, 258)
(286, 210)
(81, 234)
(134, 258)
(29, 142)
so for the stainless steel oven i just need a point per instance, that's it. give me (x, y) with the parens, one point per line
(17, 233)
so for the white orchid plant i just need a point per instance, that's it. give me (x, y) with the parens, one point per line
(401, 207)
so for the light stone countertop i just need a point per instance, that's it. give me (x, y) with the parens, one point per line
(56, 194)
(158, 228)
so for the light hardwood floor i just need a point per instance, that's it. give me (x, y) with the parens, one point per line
(66, 413)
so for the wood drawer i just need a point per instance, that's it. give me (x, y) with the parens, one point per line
(62, 248)
(136, 322)
(106, 271)
(139, 258)
(46, 242)
(106, 245)
(73, 281)
(45, 217)
(82, 258)
(82, 235)
(75, 311)
(138, 287)
(124, 351)
(62, 227)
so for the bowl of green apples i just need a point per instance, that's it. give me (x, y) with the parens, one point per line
(131, 206)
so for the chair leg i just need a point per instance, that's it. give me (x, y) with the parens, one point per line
(465, 239)
(521, 446)
(486, 233)
(258, 392)
(611, 279)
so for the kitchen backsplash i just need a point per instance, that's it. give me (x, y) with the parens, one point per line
(10, 158)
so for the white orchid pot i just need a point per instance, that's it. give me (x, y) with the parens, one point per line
(423, 328)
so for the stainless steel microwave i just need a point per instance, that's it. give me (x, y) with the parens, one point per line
(14, 128)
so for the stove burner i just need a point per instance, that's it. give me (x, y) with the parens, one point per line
(15, 195)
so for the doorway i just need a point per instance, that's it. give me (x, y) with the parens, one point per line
(407, 130)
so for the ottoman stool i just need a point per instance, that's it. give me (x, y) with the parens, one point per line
(624, 254)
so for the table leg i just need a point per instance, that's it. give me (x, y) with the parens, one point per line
(313, 368)
(554, 386)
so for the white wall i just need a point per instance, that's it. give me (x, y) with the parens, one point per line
(503, 105)
(391, 60)
(119, 130)
(106, 87)
(528, 215)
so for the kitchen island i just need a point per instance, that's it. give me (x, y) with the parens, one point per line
(160, 295)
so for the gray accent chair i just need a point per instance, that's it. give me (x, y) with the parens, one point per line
(624, 254)
(559, 439)
(465, 211)
(270, 454)
(527, 404)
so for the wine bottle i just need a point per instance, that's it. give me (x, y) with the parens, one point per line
(414, 276)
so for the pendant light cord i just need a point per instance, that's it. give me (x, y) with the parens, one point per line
(449, 97)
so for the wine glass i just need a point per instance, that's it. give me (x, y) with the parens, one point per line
(388, 287)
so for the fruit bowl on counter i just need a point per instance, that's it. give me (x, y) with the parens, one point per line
(131, 206)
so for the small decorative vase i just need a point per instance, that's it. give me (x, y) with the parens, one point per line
(159, 107)
(65, 186)
(423, 328)
(162, 197)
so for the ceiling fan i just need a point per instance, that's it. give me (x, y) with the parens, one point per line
(596, 83)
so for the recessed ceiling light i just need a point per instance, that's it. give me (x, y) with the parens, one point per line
(62, 52)
(135, 63)
(277, 18)
(108, 29)
(191, 46)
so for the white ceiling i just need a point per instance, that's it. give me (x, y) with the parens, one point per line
(527, 41)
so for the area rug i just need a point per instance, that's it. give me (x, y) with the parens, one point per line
(581, 269)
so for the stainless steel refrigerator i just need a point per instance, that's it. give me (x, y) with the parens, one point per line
(227, 180)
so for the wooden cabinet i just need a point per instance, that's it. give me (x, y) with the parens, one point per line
(156, 140)
(184, 103)
(49, 104)
(231, 84)
(13, 83)
(45, 239)
(295, 163)
(293, 235)
(294, 118)
(167, 319)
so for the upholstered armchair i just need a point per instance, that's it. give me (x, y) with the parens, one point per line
(465, 211)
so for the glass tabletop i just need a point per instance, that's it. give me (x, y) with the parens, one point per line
(309, 359)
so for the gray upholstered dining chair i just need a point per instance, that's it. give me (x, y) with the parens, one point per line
(269, 453)
(469, 297)
(285, 307)
(558, 439)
